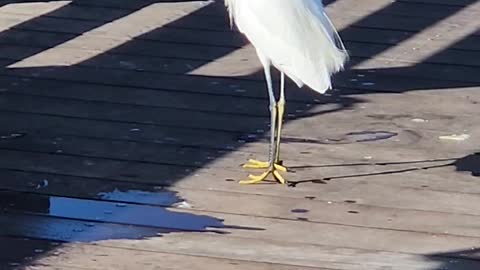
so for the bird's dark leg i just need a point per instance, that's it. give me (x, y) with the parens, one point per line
(280, 112)
(271, 166)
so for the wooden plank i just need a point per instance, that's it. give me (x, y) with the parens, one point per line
(184, 137)
(156, 174)
(219, 84)
(140, 222)
(387, 14)
(252, 249)
(166, 34)
(31, 123)
(385, 36)
(153, 115)
(441, 2)
(179, 98)
(196, 154)
(204, 38)
(243, 102)
(260, 251)
(248, 101)
(22, 251)
(76, 255)
(216, 8)
(464, 104)
(88, 256)
(469, 43)
(18, 36)
(75, 10)
(422, 168)
(241, 203)
(127, 5)
(342, 121)
(464, 58)
(103, 9)
(196, 146)
(65, 126)
(223, 38)
(356, 196)
(80, 26)
(461, 64)
(468, 58)
(135, 114)
(143, 79)
(413, 138)
(405, 8)
(190, 118)
(82, 255)
(181, 35)
(422, 174)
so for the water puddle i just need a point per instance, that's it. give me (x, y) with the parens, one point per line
(141, 215)
(299, 211)
(159, 197)
(126, 215)
(351, 137)
(369, 136)
(12, 136)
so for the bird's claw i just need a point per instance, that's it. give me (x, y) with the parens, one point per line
(254, 179)
(256, 164)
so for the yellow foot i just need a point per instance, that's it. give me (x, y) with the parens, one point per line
(255, 164)
(254, 179)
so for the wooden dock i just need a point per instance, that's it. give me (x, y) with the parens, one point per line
(123, 125)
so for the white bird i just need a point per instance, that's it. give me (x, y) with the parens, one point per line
(297, 38)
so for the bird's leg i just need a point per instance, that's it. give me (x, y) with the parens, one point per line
(272, 149)
(280, 107)
(271, 166)
(280, 111)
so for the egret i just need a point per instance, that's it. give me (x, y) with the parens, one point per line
(297, 38)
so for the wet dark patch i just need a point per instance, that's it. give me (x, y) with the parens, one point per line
(351, 137)
(299, 211)
(11, 136)
(295, 183)
(22, 250)
(389, 117)
(251, 137)
(159, 197)
(370, 136)
(286, 139)
(319, 181)
(129, 175)
(87, 220)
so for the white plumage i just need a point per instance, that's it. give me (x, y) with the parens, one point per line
(298, 38)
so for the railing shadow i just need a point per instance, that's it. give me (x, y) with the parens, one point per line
(136, 115)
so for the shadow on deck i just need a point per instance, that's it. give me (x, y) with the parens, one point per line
(109, 131)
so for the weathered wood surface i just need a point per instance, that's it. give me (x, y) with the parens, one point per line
(123, 125)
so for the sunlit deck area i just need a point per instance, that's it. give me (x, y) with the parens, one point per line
(123, 125)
